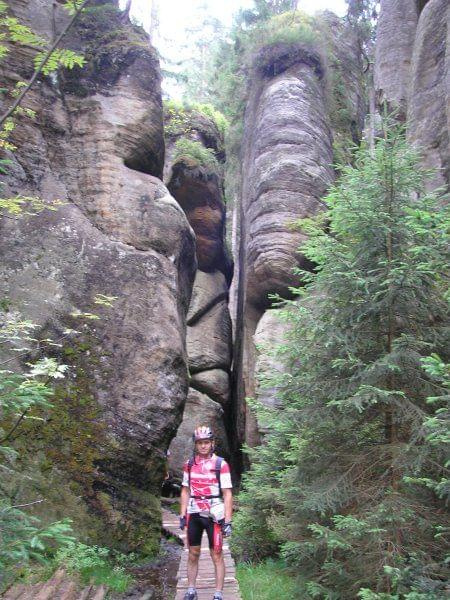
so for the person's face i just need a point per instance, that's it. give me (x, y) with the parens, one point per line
(203, 447)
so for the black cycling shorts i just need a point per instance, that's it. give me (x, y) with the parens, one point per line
(197, 525)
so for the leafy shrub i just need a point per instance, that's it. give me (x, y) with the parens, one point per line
(216, 116)
(194, 151)
(181, 116)
(96, 565)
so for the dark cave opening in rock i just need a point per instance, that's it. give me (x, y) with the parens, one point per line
(146, 161)
(420, 5)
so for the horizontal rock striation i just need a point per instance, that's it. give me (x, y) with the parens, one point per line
(297, 97)
(287, 167)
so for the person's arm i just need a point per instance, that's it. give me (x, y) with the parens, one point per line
(184, 500)
(228, 502)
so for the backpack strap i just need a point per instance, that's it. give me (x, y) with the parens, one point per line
(189, 466)
(219, 462)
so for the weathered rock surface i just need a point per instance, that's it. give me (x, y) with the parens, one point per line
(208, 290)
(209, 340)
(396, 29)
(199, 409)
(412, 70)
(194, 178)
(215, 383)
(287, 167)
(120, 233)
(429, 93)
(199, 194)
(269, 334)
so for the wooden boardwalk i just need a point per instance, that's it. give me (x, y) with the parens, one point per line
(205, 580)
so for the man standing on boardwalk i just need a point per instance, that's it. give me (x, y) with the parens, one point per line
(206, 505)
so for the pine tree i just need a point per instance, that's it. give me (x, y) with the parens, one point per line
(342, 482)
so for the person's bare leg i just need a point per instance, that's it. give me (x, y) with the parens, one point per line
(219, 567)
(192, 566)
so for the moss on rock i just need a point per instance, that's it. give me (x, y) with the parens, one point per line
(65, 457)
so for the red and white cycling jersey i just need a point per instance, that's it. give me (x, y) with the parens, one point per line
(204, 482)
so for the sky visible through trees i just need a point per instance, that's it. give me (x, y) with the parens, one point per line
(178, 18)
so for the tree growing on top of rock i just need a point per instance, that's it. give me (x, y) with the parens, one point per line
(264, 9)
(350, 485)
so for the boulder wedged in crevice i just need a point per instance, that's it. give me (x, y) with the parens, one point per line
(208, 290)
(198, 192)
(209, 340)
(193, 173)
(215, 383)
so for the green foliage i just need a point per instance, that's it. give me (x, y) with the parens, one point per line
(289, 28)
(12, 32)
(265, 9)
(24, 539)
(266, 581)
(72, 6)
(350, 480)
(436, 428)
(194, 152)
(39, 429)
(59, 58)
(22, 535)
(95, 565)
(216, 116)
(180, 117)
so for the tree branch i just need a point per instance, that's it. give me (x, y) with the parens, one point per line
(15, 426)
(38, 71)
(25, 505)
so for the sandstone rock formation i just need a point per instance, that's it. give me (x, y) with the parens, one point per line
(194, 179)
(289, 129)
(97, 147)
(199, 409)
(209, 340)
(396, 30)
(215, 383)
(287, 163)
(208, 290)
(269, 333)
(412, 74)
(286, 169)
